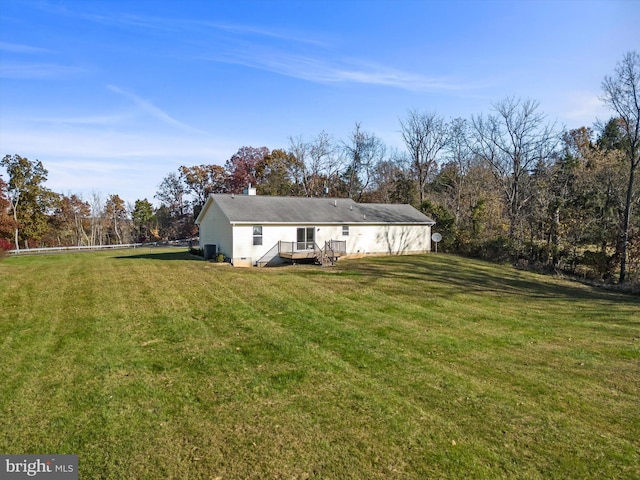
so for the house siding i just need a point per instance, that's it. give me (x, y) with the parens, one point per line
(245, 253)
(362, 239)
(388, 239)
(215, 229)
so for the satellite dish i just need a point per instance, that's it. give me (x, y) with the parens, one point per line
(436, 237)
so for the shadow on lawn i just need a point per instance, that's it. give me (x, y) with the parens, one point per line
(478, 277)
(180, 255)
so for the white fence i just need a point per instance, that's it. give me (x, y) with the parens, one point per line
(27, 251)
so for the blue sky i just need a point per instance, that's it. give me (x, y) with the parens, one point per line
(112, 96)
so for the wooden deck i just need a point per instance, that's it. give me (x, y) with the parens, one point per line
(331, 252)
(293, 251)
(299, 254)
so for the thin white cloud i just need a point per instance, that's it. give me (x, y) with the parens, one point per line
(151, 109)
(130, 180)
(96, 167)
(85, 144)
(91, 120)
(250, 30)
(389, 77)
(313, 69)
(578, 108)
(81, 160)
(117, 20)
(160, 24)
(20, 48)
(584, 105)
(310, 67)
(156, 23)
(39, 70)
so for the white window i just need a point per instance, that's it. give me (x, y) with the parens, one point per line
(306, 238)
(257, 234)
(345, 230)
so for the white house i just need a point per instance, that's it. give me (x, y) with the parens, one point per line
(262, 230)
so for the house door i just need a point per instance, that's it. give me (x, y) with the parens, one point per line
(306, 238)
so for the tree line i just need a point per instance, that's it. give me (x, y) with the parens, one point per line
(504, 185)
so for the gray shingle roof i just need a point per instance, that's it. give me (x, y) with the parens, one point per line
(306, 210)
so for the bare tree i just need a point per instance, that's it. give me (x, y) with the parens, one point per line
(513, 141)
(97, 218)
(385, 175)
(300, 151)
(459, 155)
(622, 94)
(363, 151)
(425, 135)
(318, 160)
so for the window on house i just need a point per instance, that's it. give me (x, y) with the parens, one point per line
(257, 234)
(306, 238)
(345, 230)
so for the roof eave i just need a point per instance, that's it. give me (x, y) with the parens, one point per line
(262, 222)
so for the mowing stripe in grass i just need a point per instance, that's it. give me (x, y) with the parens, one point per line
(154, 365)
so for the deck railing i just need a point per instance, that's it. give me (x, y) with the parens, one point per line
(286, 247)
(299, 250)
(338, 246)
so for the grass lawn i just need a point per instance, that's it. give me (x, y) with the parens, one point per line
(152, 364)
